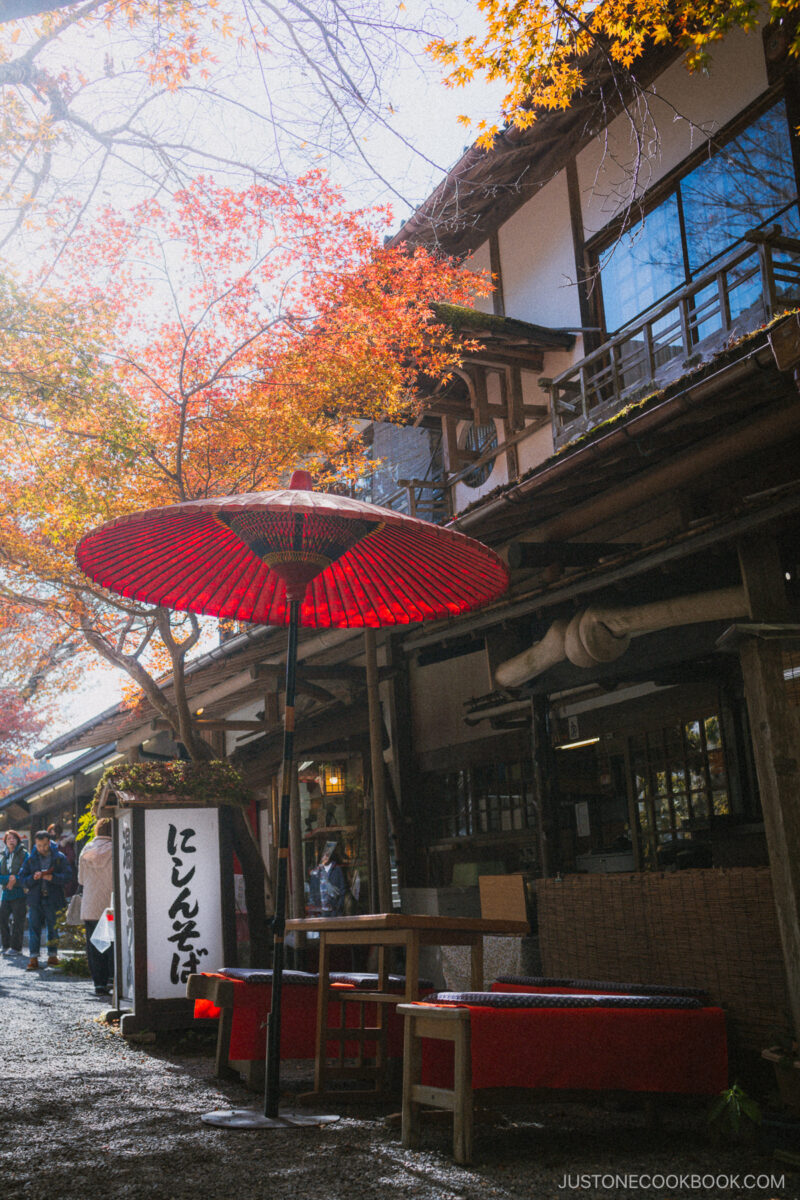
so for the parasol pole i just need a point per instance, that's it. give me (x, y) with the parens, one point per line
(383, 870)
(272, 1086)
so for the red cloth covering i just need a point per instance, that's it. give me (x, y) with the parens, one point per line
(596, 1049)
(252, 1002)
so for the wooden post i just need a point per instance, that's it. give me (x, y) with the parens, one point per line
(297, 866)
(380, 824)
(776, 747)
(775, 726)
(401, 765)
(546, 789)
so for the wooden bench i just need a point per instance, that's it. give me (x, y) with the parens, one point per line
(240, 1000)
(459, 1043)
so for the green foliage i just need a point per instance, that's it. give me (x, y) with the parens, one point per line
(76, 964)
(86, 824)
(216, 782)
(734, 1115)
(72, 937)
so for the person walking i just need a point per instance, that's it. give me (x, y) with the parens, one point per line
(43, 875)
(96, 877)
(65, 840)
(12, 897)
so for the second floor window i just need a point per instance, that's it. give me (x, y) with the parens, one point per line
(747, 182)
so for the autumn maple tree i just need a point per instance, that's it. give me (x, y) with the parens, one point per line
(543, 50)
(198, 346)
(109, 96)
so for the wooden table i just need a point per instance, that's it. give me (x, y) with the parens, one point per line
(384, 931)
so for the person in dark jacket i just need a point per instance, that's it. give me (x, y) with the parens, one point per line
(12, 897)
(332, 884)
(44, 874)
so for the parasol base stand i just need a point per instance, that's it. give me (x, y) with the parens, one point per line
(252, 1118)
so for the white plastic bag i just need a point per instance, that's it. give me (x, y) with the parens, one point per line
(103, 935)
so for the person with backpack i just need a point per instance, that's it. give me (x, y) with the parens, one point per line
(43, 875)
(12, 897)
(96, 878)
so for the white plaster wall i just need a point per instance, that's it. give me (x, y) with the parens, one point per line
(438, 693)
(686, 109)
(537, 259)
(246, 712)
(480, 260)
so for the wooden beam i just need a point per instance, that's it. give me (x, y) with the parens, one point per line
(516, 400)
(343, 671)
(496, 267)
(528, 359)
(267, 671)
(481, 393)
(763, 578)
(528, 555)
(275, 671)
(536, 412)
(212, 723)
(512, 455)
(312, 689)
(450, 449)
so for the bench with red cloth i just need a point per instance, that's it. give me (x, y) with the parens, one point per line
(458, 1043)
(574, 987)
(240, 999)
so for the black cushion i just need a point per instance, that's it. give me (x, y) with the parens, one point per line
(361, 980)
(559, 1000)
(263, 975)
(636, 989)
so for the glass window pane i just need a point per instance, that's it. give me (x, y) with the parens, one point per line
(645, 265)
(722, 806)
(699, 805)
(741, 186)
(712, 733)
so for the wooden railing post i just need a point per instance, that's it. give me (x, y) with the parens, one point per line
(724, 301)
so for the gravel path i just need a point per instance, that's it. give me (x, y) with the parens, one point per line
(88, 1115)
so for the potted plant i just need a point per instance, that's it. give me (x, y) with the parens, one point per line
(734, 1116)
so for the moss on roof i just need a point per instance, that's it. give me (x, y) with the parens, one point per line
(460, 317)
(737, 349)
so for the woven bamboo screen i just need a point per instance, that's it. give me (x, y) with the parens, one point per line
(714, 929)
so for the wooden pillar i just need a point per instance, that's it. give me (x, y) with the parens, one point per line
(775, 726)
(546, 789)
(776, 746)
(380, 823)
(297, 866)
(401, 766)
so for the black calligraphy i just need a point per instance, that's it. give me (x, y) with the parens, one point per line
(184, 908)
(127, 894)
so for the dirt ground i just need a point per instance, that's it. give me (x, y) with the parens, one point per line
(86, 1114)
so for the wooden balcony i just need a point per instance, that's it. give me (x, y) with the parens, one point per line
(750, 286)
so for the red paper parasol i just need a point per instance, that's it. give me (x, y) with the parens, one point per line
(246, 557)
(293, 557)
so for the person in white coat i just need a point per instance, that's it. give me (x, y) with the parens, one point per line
(96, 878)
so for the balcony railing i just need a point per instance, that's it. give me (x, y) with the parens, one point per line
(760, 279)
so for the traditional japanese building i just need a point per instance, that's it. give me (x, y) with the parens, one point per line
(622, 726)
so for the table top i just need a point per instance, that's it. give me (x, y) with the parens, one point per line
(375, 922)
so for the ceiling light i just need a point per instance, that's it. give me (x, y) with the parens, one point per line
(574, 745)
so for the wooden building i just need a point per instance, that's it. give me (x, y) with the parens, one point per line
(629, 438)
